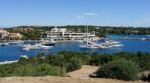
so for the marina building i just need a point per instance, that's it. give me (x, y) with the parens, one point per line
(62, 34)
(3, 34)
(15, 36)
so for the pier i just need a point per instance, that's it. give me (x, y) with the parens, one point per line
(125, 38)
(95, 44)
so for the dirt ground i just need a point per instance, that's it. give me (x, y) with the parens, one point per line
(84, 72)
(79, 76)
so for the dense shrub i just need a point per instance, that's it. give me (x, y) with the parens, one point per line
(73, 64)
(121, 69)
(32, 70)
(71, 60)
(5, 70)
(23, 61)
(85, 58)
(26, 70)
(102, 59)
(142, 59)
(57, 60)
(46, 69)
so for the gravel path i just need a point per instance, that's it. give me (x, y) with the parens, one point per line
(84, 72)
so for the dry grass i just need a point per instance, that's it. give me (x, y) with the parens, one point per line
(53, 79)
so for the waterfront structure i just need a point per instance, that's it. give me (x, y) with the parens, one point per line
(62, 34)
(3, 34)
(15, 36)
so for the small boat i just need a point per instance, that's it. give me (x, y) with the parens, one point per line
(26, 45)
(46, 47)
(4, 44)
(24, 56)
(15, 42)
(26, 48)
(114, 42)
(116, 45)
(35, 47)
(40, 46)
(89, 46)
(148, 35)
(143, 38)
(48, 43)
(110, 44)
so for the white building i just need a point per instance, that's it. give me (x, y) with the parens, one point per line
(3, 34)
(62, 34)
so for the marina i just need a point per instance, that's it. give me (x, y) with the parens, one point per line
(74, 41)
(14, 51)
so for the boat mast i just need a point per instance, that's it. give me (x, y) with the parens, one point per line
(87, 36)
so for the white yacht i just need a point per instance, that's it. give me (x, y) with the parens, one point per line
(148, 35)
(26, 47)
(24, 56)
(16, 42)
(48, 42)
(110, 44)
(89, 46)
(4, 44)
(40, 46)
(143, 38)
(36, 46)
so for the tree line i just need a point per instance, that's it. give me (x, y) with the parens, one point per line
(101, 31)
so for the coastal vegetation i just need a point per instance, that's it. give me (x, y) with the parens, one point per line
(124, 66)
(41, 65)
(142, 59)
(32, 35)
(120, 69)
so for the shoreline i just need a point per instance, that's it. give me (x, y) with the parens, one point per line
(8, 62)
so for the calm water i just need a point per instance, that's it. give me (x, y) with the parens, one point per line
(13, 52)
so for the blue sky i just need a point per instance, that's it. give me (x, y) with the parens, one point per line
(72, 12)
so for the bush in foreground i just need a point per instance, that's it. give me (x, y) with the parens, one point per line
(31, 70)
(73, 64)
(121, 69)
